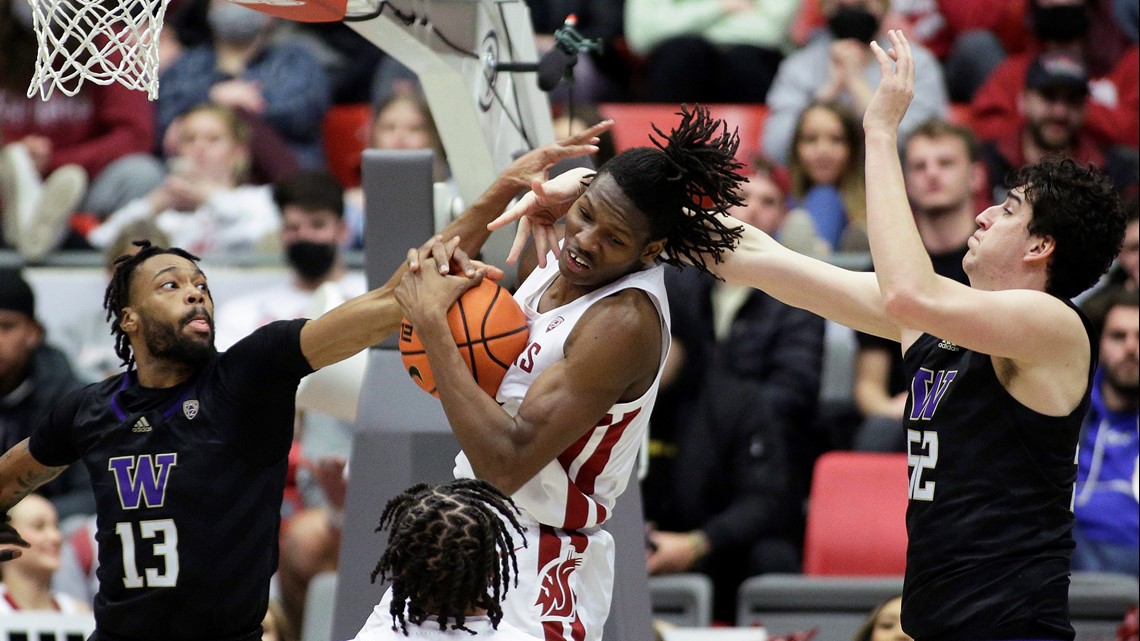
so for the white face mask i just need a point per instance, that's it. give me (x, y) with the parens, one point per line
(235, 23)
(22, 12)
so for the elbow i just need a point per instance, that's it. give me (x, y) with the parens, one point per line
(905, 306)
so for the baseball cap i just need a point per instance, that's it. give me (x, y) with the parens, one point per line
(1057, 70)
(15, 293)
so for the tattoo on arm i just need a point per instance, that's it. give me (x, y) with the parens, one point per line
(13, 490)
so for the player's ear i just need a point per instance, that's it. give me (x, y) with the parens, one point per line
(1040, 248)
(128, 320)
(652, 250)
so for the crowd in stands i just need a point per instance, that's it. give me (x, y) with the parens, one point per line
(230, 160)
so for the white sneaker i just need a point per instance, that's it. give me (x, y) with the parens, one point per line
(19, 190)
(61, 193)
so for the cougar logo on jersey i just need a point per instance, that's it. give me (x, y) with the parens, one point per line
(147, 483)
(190, 409)
(555, 596)
(554, 323)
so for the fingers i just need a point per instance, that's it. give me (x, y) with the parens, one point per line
(514, 212)
(522, 235)
(466, 266)
(413, 260)
(442, 252)
(8, 555)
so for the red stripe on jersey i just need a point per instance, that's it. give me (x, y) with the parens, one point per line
(579, 487)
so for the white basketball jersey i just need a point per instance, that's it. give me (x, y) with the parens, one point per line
(578, 489)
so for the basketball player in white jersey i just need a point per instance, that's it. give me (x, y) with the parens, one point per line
(561, 436)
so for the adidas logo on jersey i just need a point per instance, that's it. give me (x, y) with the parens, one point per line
(141, 425)
(948, 346)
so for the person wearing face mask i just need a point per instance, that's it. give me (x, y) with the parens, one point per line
(313, 230)
(280, 84)
(837, 65)
(1112, 103)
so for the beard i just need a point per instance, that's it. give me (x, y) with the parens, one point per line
(168, 342)
(1123, 383)
(1050, 144)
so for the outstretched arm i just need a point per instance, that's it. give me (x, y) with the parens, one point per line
(373, 316)
(1027, 326)
(20, 474)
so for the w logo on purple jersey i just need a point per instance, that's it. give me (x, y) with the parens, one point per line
(926, 391)
(142, 477)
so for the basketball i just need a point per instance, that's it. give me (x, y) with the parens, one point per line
(489, 329)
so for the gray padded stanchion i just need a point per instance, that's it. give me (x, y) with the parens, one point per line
(402, 436)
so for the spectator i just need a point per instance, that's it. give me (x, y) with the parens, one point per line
(943, 177)
(26, 582)
(451, 558)
(33, 376)
(827, 175)
(884, 624)
(1107, 531)
(313, 229)
(742, 376)
(1126, 273)
(1113, 104)
(279, 84)
(402, 120)
(837, 65)
(709, 50)
(203, 205)
(1052, 106)
(87, 152)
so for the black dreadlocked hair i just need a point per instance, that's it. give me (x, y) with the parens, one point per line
(118, 294)
(682, 183)
(448, 545)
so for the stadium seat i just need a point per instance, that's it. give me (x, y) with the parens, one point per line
(832, 606)
(682, 599)
(1098, 601)
(856, 517)
(46, 626)
(633, 122)
(344, 131)
(319, 602)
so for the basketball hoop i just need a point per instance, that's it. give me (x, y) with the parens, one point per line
(100, 41)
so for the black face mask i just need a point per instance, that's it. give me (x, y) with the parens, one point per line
(1060, 24)
(311, 260)
(857, 24)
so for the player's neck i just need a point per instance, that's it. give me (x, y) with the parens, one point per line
(160, 373)
(560, 293)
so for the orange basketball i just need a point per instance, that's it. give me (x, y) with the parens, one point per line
(490, 330)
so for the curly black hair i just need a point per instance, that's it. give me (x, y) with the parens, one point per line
(682, 183)
(1080, 209)
(118, 294)
(450, 550)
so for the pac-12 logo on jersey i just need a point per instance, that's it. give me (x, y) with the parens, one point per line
(142, 478)
(555, 596)
(190, 408)
(926, 390)
(554, 323)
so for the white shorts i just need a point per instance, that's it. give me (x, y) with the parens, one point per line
(566, 580)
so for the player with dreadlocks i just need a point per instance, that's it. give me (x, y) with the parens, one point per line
(187, 449)
(561, 436)
(451, 560)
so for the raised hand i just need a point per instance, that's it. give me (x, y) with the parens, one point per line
(539, 210)
(895, 90)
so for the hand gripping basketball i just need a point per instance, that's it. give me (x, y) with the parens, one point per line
(489, 329)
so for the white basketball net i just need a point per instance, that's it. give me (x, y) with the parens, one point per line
(101, 41)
